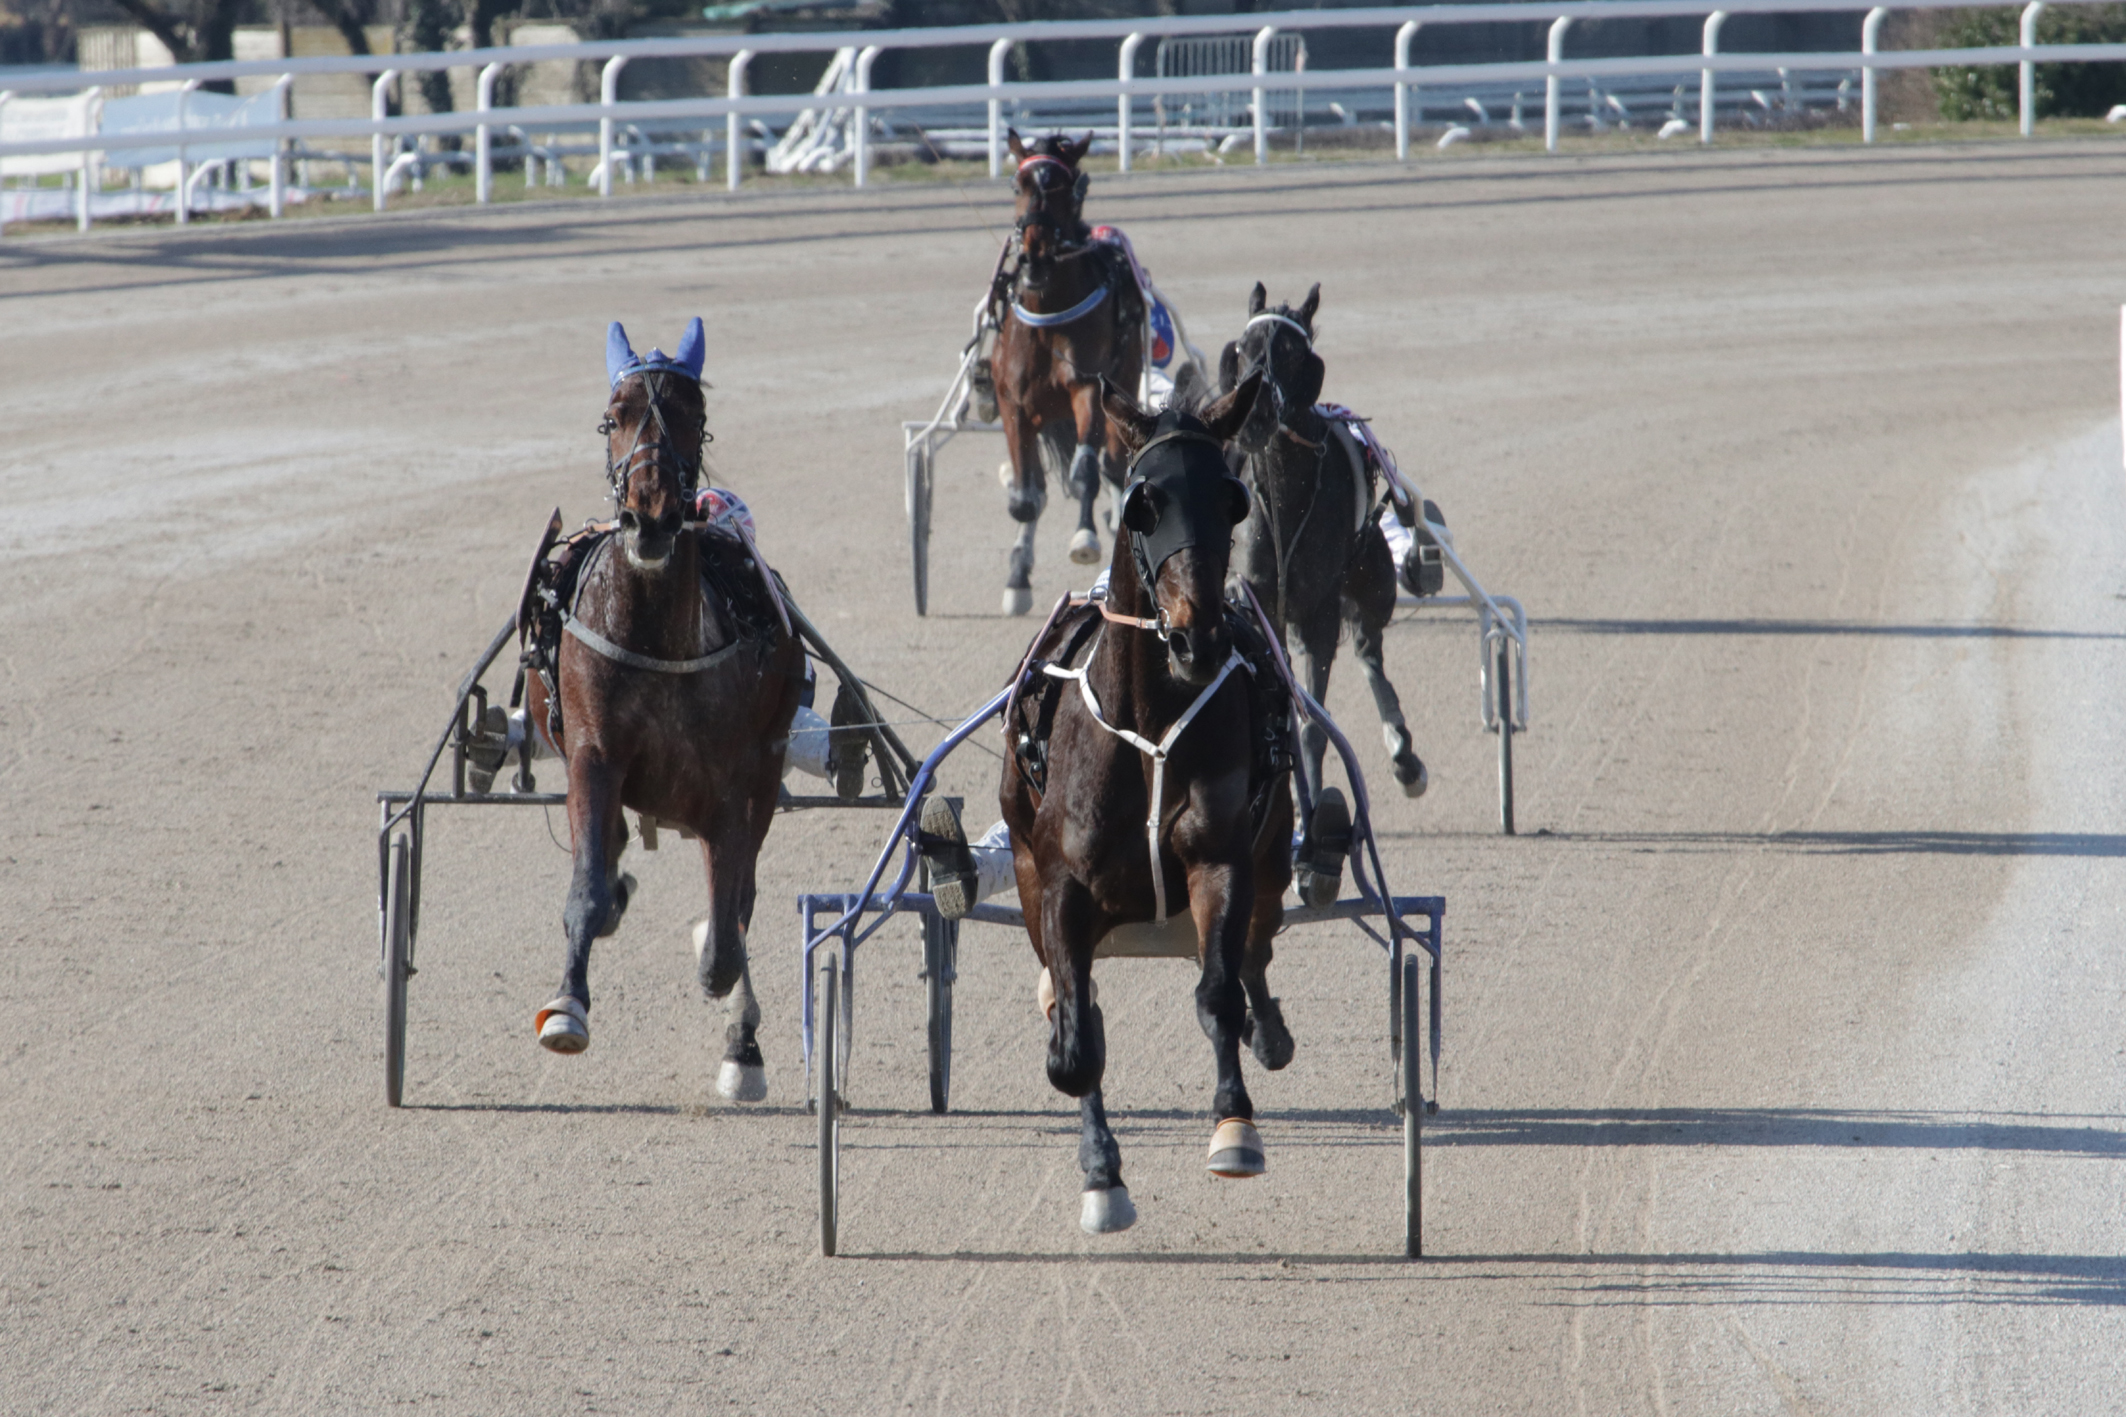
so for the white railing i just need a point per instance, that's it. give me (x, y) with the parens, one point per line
(1403, 77)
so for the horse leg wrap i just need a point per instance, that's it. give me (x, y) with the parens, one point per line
(1236, 1150)
(1409, 769)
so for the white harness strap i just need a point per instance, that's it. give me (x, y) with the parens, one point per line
(1156, 752)
(1271, 316)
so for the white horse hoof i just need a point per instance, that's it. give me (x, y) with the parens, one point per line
(1085, 547)
(1105, 1212)
(1236, 1150)
(742, 1082)
(564, 1026)
(1017, 601)
(1416, 786)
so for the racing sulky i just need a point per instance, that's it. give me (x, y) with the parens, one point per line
(1150, 779)
(1068, 312)
(664, 671)
(1315, 553)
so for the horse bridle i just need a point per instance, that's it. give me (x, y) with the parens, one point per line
(618, 472)
(1278, 546)
(1147, 574)
(1038, 164)
(1269, 368)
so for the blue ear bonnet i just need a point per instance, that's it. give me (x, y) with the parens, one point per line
(621, 359)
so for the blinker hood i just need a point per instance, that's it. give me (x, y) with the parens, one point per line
(1190, 507)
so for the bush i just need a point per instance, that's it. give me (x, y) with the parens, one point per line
(2062, 90)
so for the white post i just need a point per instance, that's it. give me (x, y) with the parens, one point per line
(1261, 67)
(184, 187)
(860, 139)
(5, 95)
(1403, 37)
(88, 157)
(377, 106)
(1558, 27)
(1870, 35)
(997, 54)
(1706, 86)
(2122, 368)
(2028, 95)
(483, 172)
(278, 192)
(1125, 70)
(608, 95)
(734, 133)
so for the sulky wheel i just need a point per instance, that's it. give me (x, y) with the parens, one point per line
(1505, 738)
(396, 966)
(919, 489)
(830, 1122)
(1413, 1117)
(941, 938)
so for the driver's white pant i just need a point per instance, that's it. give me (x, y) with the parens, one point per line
(992, 863)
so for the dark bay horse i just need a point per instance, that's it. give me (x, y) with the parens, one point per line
(1314, 553)
(1105, 834)
(1070, 313)
(672, 700)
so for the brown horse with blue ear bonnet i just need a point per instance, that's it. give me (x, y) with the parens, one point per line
(670, 687)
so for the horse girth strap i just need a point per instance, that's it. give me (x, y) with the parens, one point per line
(1157, 752)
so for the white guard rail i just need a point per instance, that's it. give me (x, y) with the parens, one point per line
(1400, 75)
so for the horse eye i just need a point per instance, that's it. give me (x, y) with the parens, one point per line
(606, 426)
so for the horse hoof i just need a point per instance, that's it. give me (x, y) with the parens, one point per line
(1017, 600)
(742, 1082)
(1085, 547)
(1410, 772)
(1236, 1150)
(563, 1026)
(1105, 1212)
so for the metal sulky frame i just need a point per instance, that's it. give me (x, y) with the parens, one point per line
(402, 818)
(834, 926)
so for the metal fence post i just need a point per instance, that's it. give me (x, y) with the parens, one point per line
(1870, 35)
(1706, 81)
(2028, 94)
(997, 55)
(184, 176)
(277, 194)
(1558, 27)
(1261, 66)
(608, 95)
(377, 104)
(1403, 37)
(1125, 70)
(88, 158)
(734, 137)
(483, 173)
(860, 138)
(5, 95)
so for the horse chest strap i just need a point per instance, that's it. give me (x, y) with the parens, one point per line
(1039, 321)
(1157, 752)
(620, 655)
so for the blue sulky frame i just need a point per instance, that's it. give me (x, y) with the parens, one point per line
(828, 918)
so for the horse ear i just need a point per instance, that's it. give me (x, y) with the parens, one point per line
(1306, 389)
(1229, 366)
(1308, 306)
(1135, 425)
(1141, 508)
(1224, 417)
(1018, 147)
(1258, 300)
(693, 349)
(1085, 145)
(1238, 501)
(619, 354)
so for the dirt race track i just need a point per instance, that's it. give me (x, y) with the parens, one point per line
(1784, 1066)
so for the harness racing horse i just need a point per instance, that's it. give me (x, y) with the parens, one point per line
(1151, 774)
(1315, 556)
(1068, 313)
(674, 697)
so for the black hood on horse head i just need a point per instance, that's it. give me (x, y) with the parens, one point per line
(1181, 493)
